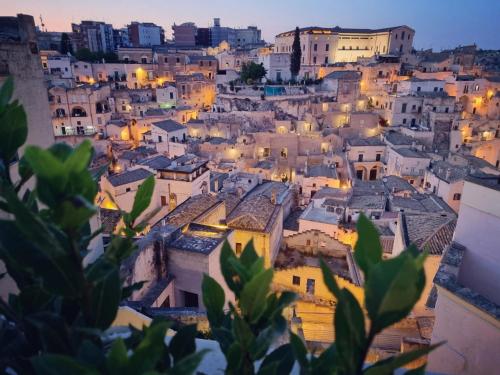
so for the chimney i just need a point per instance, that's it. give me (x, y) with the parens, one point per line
(448, 173)
(273, 196)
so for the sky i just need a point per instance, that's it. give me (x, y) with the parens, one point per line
(439, 24)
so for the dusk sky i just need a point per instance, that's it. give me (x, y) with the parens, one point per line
(438, 23)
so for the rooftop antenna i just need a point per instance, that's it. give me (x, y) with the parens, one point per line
(42, 25)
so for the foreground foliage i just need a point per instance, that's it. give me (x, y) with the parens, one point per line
(59, 321)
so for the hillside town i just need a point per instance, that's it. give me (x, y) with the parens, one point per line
(257, 140)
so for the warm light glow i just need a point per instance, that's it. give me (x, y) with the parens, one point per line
(490, 94)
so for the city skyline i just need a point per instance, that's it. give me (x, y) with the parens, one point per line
(456, 22)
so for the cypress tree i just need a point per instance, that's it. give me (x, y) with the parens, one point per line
(296, 55)
(66, 45)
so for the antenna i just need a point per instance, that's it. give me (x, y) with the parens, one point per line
(42, 25)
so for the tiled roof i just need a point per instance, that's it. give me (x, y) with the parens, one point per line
(255, 213)
(321, 171)
(189, 210)
(168, 125)
(430, 232)
(369, 202)
(371, 141)
(157, 162)
(128, 177)
(344, 74)
(449, 172)
(411, 153)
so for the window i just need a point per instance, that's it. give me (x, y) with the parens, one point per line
(419, 89)
(296, 280)
(238, 248)
(310, 286)
(134, 75)
(403, 108)
(166, 60)
(308, 242)
(377, 157)
(327, 47)
(360, 157)
(326, 60)
(171, 95)
(127, 190)
(457, 196)
(404, 121)
(314, 59)
(163, 200)
(315, 48)
(160, 139)
(190, 299)
(124, 108)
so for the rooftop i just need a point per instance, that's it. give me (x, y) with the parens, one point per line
(344, 75)
(446, 277)
(128, 177)
(368, 202)
(157, 162)
(255, 213)
(321, 171)
(430, 232)
(320, 214)
(200, 239)
(411, 153)
(371, 141)
(398, 139)
(168, 125)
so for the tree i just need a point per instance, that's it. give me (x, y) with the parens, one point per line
(252, 72)
(296, 55)
(66, 45)
(84, 54)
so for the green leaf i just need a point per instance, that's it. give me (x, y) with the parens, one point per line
(248, 256)
(183, 343)
(281, 361)
(350, 339)
(368, 250)
(329, 279)
(387, 366)
(151, 348)
(51, 331)
(117, 358)
(213, 299)
(13, 131)
(55, 364)
(392, 289)
(6, 91)
(188, 364)
(234, 358)
(142, 198)
(326, 363)
(129, 289)
(106, 292)
(227, 269)
(299, 350)
(79, 159)
(254, 293)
